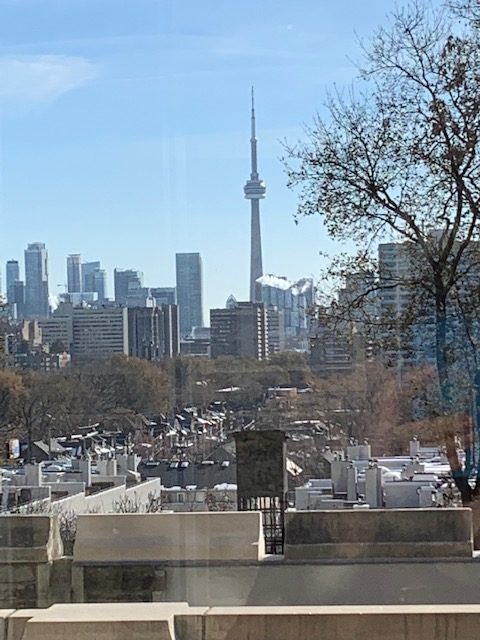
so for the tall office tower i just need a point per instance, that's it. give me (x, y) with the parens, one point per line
(254, 191)
(164, 295)
(189, 291)
(127, 282)
(240, 331)
(19, 299)
(153, 332)
(88, 268)
(170, 330)
(94, 279)
(74, 275)
(13, 275)
(99, 282)
(36, 281)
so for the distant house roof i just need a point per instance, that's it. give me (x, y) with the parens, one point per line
(54, 447)
(224, 452)
(219, 468)
(203, 476)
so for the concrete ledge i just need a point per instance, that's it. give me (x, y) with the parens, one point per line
(29, 539)
(105, 538)
(105, 621)
(177, 621)
(382, 533)
(342, 623)
(379, 550)
(4, 613)
(17, 621)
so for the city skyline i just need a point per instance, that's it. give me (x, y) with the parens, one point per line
(131, 131)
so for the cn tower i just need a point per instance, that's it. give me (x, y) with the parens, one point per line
(254, 191)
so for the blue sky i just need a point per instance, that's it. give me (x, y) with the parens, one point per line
(124, 130)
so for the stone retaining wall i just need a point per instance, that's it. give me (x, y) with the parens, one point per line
(30, 547)
(379, 533)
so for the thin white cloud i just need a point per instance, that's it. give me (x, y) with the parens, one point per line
(42, 77)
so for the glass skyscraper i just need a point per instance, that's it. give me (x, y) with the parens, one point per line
(189, 291)
(126, 282)
(36, 281)
(88, 268)
(74, 274)
(94, 279)
(12, 275)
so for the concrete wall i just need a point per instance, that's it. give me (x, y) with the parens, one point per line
(177, 621)
(31, 538)
(341, 623)
(116, 481)
(141, 491)
(104, 501)
(29, 548)
(298, 583)
(209, 560)
(164, 537)
(382, 533)
(71, 503)
(71, 488)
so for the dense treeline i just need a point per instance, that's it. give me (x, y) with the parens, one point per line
(369, 403)
(121, 390)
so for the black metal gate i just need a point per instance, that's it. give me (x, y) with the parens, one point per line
(272, 509)
(262, 481)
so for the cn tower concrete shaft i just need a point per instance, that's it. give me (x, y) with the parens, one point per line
(254, 191)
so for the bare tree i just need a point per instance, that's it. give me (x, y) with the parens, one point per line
(397, 159)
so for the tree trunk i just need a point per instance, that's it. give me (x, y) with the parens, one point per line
(475, 507)
(446, 399)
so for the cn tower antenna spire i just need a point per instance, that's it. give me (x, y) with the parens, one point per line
(254, 191)
(253, 143)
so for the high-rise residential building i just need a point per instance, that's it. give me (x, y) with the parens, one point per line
(294, 302)
(127, 282)
(406, 339)
(58, 330)
(99, 283)
(12, 275)
(164, 295)
(74, 273)
(240, 331)
(171, 330)
(88, 269)
(99, 333)
(189, 291)
(276, 330)
(83, 298)
(336, 348)
(94, 279)
(36, 281)
(140, 297)
(153, 332)
(406, 308)
(19, 299)
(254, 191)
